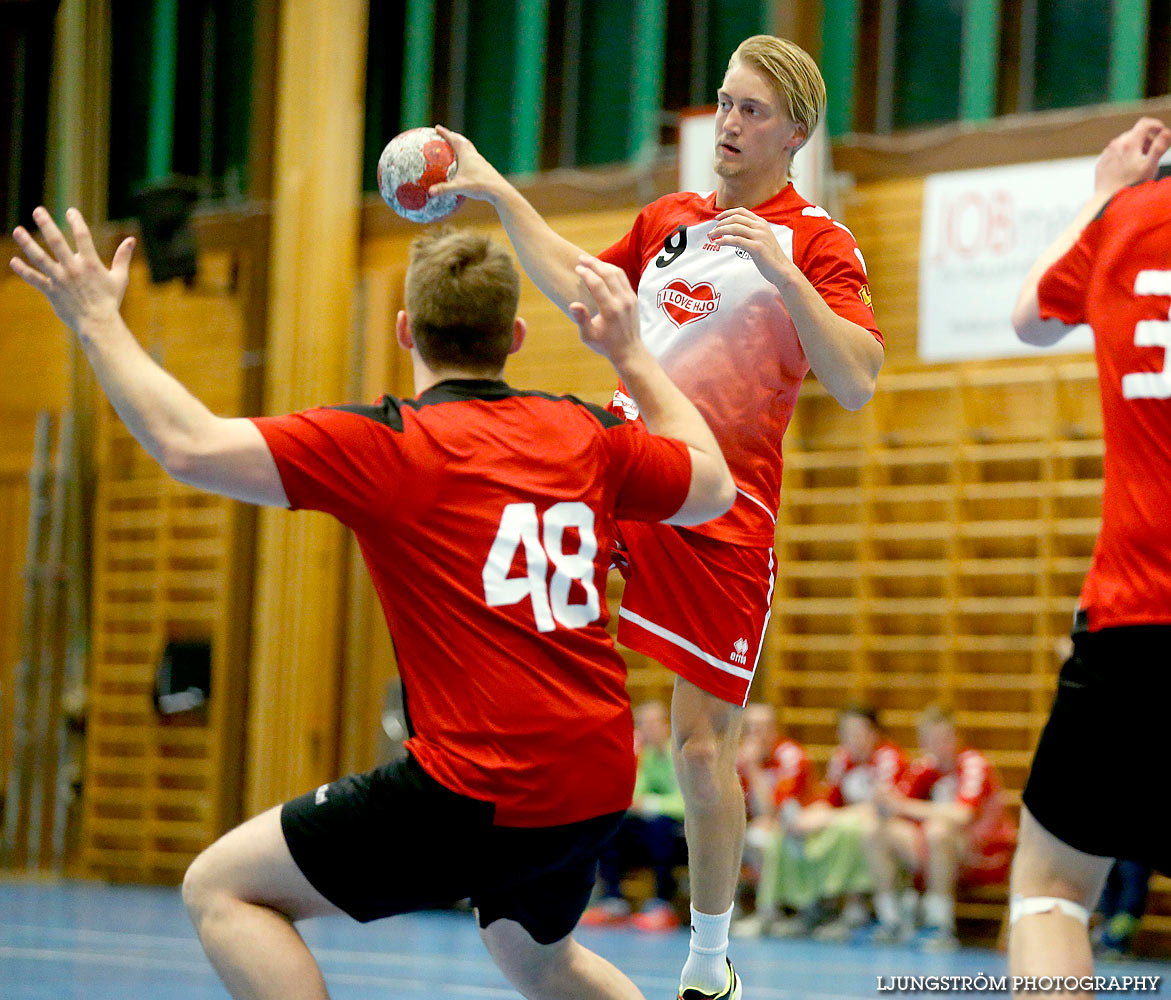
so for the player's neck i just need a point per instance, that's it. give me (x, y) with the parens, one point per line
(738, 192)
(427, 378)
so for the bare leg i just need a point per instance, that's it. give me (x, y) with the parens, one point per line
(1052, 943)
(564, 969)
(891, 844)
(705, 732)
(880, 851)
(243, 894)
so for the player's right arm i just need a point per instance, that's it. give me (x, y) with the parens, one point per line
(1130, 158)
(614, 333)
(547, 258)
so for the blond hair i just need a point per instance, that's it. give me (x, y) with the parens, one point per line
(462, 292)
(793, 74)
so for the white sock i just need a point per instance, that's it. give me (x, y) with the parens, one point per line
(939, 911)
(886, 908)
(706, 968)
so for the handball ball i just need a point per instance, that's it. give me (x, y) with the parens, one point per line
(411, 162)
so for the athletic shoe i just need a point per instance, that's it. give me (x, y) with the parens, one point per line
(730, 992)
(891, 933)
(755, 925)
(937, 940)
(800, 924)
(607, 913)
(656, 918)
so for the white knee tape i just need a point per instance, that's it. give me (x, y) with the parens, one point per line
(1026, 906)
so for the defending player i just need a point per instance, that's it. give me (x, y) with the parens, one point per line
(1086, 801)
(741, 292)
(485, 516)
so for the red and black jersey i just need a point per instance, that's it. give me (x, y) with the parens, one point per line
(486, 517)
(1117, 278)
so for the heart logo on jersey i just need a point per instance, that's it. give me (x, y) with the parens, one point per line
(684, 303)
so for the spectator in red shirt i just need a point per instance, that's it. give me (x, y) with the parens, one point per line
(816, 855)
(945, 822)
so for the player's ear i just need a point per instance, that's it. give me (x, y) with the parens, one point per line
(800, 134)
(402, 331)
(519, 329)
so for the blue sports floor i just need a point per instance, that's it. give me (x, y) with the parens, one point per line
(88, 941)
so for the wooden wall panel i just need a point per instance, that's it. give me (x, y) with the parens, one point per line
(168, 566)
(34, 356)
(296, 665)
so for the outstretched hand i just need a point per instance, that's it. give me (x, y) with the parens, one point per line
(613, 331)
(475, 177)
(1132, 157)
(78, 285)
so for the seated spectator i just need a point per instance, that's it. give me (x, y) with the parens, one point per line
(817, 855)
(1124, 900)
(772, 771)
(650, 836)
(945, 824)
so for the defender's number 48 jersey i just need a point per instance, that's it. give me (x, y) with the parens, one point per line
(486, 519)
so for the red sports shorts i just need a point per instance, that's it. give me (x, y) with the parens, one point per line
(697, 605)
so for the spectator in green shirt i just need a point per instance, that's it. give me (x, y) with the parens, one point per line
(651, 835)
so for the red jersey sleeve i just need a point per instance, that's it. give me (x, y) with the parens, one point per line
(918, 779)
(835, 770)
(833, 264)
(652, 473)
(1061, 292)
(889, 764)
(793, 774)
(627, 252)
(974, 781)
(335, 461)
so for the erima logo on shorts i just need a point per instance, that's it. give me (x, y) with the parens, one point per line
(319, 798)
(740, 651)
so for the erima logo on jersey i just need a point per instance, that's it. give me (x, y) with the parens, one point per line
(684, 303)
(740, 651)
(319, 798)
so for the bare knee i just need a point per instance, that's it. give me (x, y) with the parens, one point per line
(200, 888)
(940, 834)
(705, 733)
(1045, 866)
(536, 970)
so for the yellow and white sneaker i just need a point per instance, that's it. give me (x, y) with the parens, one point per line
(730, 992)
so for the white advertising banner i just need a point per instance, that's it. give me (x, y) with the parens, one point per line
(982, 230)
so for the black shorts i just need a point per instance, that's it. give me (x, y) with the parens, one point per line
(1099, 776)
(394, 840)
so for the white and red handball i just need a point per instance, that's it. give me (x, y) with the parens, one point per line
(411, 162)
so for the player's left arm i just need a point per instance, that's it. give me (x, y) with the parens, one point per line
(223, 455)
(844, 356)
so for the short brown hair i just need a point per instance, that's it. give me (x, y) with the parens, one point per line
(461, 296)
(793, 74)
